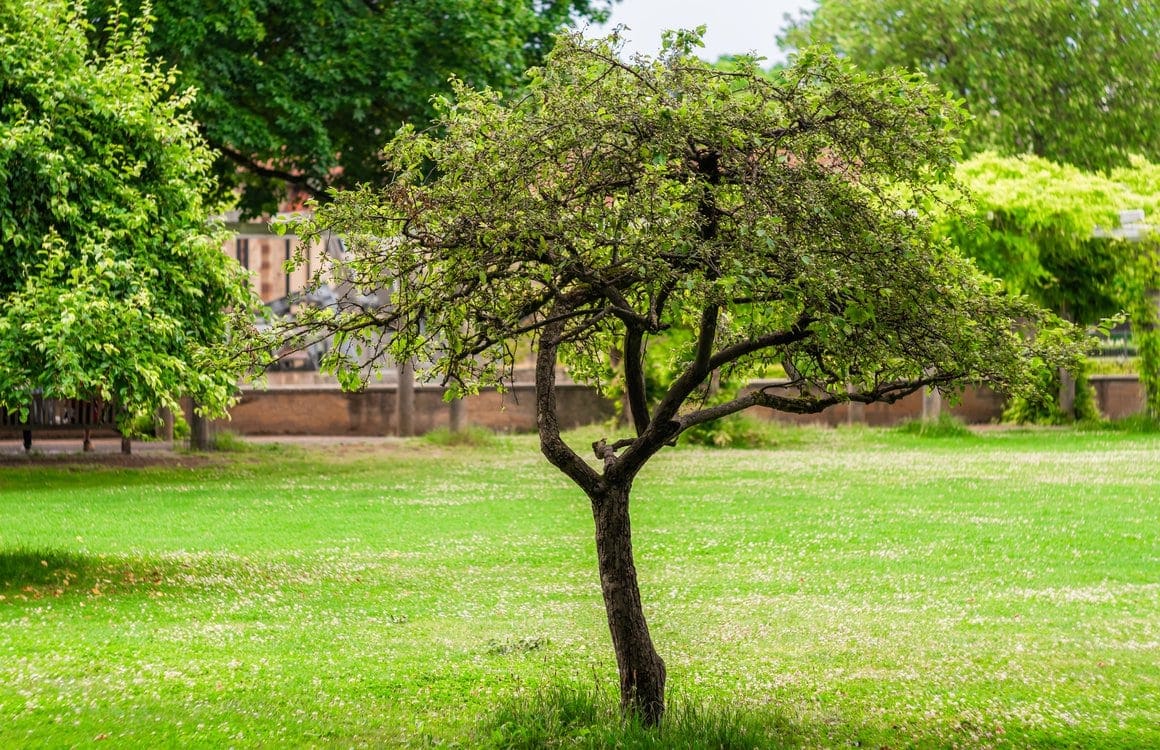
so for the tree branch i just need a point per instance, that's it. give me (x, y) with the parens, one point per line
(887, 393)
(250, 165)
(662, 428)
(696, 373)
(732, 353)
(634, 382)
(551, 444)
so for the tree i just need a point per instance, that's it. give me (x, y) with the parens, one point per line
(785, 221)
(1033, 223)
(1073, 82)
(1038, 225)
(112, 279)
(302, 94)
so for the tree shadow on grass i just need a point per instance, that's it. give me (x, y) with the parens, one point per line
(29, 573)
(23, 567)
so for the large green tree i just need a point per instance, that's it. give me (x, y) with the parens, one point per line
(1073, 81)
(785, 221)
(113, 286)
(302, 94)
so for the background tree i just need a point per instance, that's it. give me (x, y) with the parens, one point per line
(301, 95)
(1069, 81)
(1033, 224)
(113, 285)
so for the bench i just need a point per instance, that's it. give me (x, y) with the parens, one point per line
(63, 414)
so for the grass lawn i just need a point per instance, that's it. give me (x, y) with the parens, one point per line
(849, 587)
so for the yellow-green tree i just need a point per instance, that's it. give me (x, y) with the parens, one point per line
(1037, 224)
(113, 286)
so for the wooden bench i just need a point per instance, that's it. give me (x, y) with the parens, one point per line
(64, 414)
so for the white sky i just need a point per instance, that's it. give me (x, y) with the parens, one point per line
(734, 26)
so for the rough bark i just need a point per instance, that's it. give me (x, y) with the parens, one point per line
(198, 431)
(642, 671)
(1066, 381)
(406, 399)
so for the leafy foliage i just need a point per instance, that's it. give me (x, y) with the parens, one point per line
(305, 92)
(112, 281)
(1042, 406)
(1036, 225)
(742, 431)
(783, 222)
(1073, 82)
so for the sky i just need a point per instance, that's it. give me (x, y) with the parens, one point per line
(734, 26)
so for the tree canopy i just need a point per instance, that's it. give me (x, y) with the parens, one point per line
(781, 221)
(302, 94)
(1069, 81)
(113, 285)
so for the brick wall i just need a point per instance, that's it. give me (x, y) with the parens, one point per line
(293, 410)
(1118, 395)
(329, 411)
(977, 406)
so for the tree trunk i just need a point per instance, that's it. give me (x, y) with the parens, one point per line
(458, 415)
(642, 671)
(167, 425)
(931, 404)
(1066, 380)
(198, 430)
(1066, 394)
(405, 392)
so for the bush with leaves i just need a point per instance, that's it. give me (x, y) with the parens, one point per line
(113, 286)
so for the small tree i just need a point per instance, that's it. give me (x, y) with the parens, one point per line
(113, 286)
(785, 221)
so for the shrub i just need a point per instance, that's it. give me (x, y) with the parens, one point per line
(475, 437)
(1043, 408)
(945, 426)
(742, 431)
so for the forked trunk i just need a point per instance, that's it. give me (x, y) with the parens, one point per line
(642, 671)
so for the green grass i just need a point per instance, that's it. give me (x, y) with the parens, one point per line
(852, 587)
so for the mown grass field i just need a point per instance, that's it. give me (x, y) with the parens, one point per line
(844, 588)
